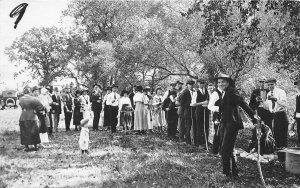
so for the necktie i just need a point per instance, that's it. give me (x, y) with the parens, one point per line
(223, 94)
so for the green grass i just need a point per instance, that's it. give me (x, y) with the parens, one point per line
(126, 161)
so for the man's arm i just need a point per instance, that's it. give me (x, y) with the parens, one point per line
(213, 99)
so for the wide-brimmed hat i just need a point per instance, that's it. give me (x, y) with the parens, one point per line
(78, 92)
(262, 79)
(139, 88)
(34, 88)
(96, 85)
(190, 82)
(296, 82)
(148, 88)
(271, 80)
(224, 76)
(172, 92)
(200, 80)
(26, 89)
(114, 85)
(49, 87)
(173, 83)
(84, 122)
(179, 82)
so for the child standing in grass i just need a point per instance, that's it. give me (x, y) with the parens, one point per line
(84, 136)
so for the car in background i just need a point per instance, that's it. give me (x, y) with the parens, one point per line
(9, 99)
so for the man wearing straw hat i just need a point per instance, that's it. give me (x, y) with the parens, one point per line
(230, 122)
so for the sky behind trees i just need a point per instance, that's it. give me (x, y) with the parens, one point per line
(38, 13)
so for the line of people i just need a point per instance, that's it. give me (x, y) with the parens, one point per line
(190, 109)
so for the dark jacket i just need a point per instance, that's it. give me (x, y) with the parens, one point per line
(185, 99)
(253, 102)
(56, 108)
(297, 105)
(230, 112)
(172, 113)
(96, 100)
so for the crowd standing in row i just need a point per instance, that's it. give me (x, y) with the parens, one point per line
(184, 108)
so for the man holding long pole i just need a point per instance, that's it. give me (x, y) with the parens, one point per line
(231, 122)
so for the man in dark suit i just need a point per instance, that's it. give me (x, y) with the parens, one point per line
(56, 109)
(185, 123)
(231, 122)
(257, 100)
(68, 107)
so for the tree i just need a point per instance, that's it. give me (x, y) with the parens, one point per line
(43, 51)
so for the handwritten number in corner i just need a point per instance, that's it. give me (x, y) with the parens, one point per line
(19, 10)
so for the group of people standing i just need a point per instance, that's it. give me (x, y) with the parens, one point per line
(189, 109)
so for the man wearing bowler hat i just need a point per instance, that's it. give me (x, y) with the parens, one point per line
(230, 122)
(113, 101)
(277, 104)
(185, 112)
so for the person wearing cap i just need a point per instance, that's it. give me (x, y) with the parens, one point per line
(172, 88)
(96, 100)
(84, 137)
(172, 117)
(185, 114)
(56, 108)
(259, 95)
(106, 117)
(35, 91)
(113, 101)
(276, 103)
(231, 122)
(28, 121)
(157, 111)
(297, 111)
(257, 103)
(200, 125)
(78, 113)
(68, 106)
(125, 111)
(140, 123)
(214, 106)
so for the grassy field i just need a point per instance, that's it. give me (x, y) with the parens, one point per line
(123, 161)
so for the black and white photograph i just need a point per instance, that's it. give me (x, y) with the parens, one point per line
(149, 93)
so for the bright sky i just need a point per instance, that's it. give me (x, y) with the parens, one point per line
(38, 13)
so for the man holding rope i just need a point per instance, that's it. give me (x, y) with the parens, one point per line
(231, 122)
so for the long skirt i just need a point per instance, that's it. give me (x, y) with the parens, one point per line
(126, 117)
(140, 120)
(44, 123)
(148, 114)
(29, 131)
(84, 139)
(157, 118)
(78, 116)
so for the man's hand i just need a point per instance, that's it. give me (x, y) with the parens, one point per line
(193, 105)
(257, 117)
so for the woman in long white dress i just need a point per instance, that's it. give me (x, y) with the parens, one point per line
(139, 111)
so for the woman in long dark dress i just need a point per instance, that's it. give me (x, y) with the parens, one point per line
(29, 123)
(78, 115)
(171, 113)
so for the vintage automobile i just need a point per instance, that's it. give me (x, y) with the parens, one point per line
(9, 99)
